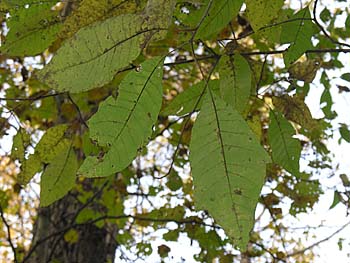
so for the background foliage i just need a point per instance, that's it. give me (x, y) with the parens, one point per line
(170, 121)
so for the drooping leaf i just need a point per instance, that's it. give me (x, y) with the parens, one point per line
(96, 53)
(186, 101)
(125, 123)
(295, 109)
(285, 149)
(235, 81)
(298, 33)
(306, 70)
(20, 143)
(29, 168)
(217, 14)
(58, 177)
(260, 13)
(228, 168)
(32, 29)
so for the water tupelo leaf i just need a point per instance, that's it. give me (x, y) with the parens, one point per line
(260, 12)
(228, 168)
(235, 81)
(298, 33)
(58, 177)
(32, 29)
(125, 123)
(285, 149)
(217, 16)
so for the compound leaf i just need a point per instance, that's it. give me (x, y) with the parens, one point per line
(125, 123)
(228, 167)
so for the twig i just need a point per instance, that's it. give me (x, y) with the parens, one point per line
(319, 242)
(9, 235)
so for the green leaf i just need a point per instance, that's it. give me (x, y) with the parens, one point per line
(336, 199)
(31, 29)
(217, 16)
(95, 54)
(285, 149)
(344, 132)
(125, 123)
(20, 143)
(235, 81)
(345, 76)
(260, 13)
(58, 177)
(52, 143)
(186, 101)
(228, 168)
(29, 168)
(298, 33)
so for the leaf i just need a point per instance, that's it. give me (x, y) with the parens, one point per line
(295, 109)
(20, 143)
(336, 200)
(285, 149)
(217, 16)
(186, 101)
(32, 29)
(260, 13)
(345, 76)
(298, 33)
(52, 143)
(125, 123)
(344, 132)
(29, 168)
(58, 177)
(235, 81)
(228, 168)
(94, 55)
(306, 70)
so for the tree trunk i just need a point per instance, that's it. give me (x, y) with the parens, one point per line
(90, 244)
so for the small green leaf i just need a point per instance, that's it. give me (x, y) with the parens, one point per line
(336, 199)
(218, 15)
(124, 124)
(345, 76)
(228, 168)
(32, 29)
(344, 132)
(298, 33)
(235, 81)
(285, 149)
(260, 13)
(29, 168)
(58, 177)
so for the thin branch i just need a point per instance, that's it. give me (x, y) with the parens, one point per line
(78, 110)
(323, 30)
(319, 242)
(9, 239)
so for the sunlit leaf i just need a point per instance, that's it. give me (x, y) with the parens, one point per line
(125, 123)
(228, 168)
(58, 177)
(285, 149)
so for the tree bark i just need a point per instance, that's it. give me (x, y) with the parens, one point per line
(92, 245)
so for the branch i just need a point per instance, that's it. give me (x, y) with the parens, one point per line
(323, 30)
(8, 235)
(319, 242)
